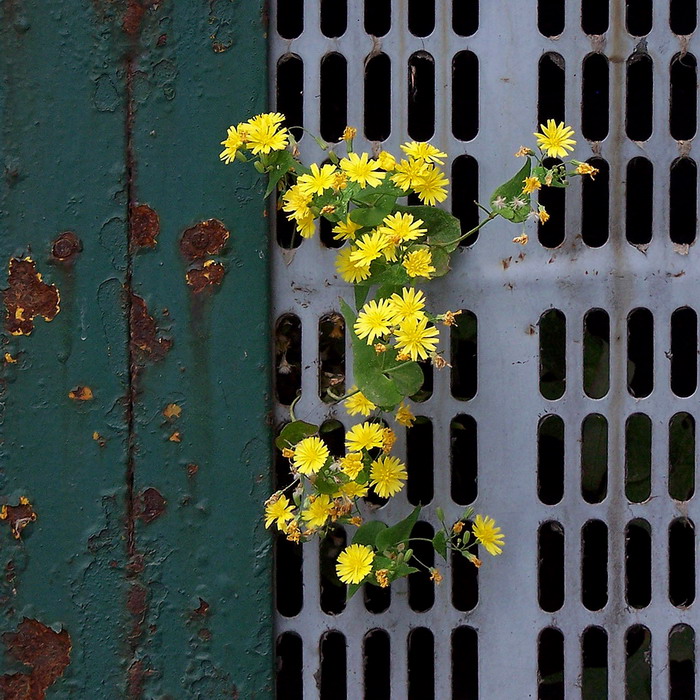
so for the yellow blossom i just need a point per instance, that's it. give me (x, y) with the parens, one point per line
(349, 133)
(387, 476)
(235, 139)
(555, 139)
(319, 510)
(307, 226)
(349, 270)
(340, 181)
(386, 161)
(430, 186)
(351, 464)
(364, 436)
(310, 454)
(404, 415)
(374, 320)
(328, 209)
(422, 150)
(401, 228)
(286, 452)
(408, 173)
(318, 180)
(361, 170)
(263, 133)
(379, 348)
(292, 531)
(369, 248)
(296, 203)
(531, 184)
(388, 440)
(487, 534)
(352, 490)
(356, 520)
(346, 230)
(278, 510)
(458, 527)
(409, 304)
(382, 576)
(587, 169)
(542, 214)
(358, 403)
(435, 575)
(418, 263)
(416, 338)
(354, 563)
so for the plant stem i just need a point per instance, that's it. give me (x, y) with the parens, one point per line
(483, 223)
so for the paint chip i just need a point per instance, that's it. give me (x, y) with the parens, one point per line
(27, 297)
(81, 393)
(209, 274)
(175, 437)
(172, 410)
(9, 359)
(18, 516)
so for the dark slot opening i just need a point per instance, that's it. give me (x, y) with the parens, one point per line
(594, 458)
(681, 562)
(594, 565)
(465, 17)
(464, 457)
(285, 230)
(551, 233)
(327, 236)
(550, 88)
(287, 358)
(288, 677)
(332, 432)
(465, 95)
(550, 17)
(331, 354)
(426, 389)
(550, 665)
(595, 97)
(421, 590)
(377, 665)
(594, 679)
(282, 476)
(637, 663)
(333, 666)
(377, 599)
(421, 96)
(639, 17)
(683, 16)
(552, 327)
(596, 353)
(463, 356)
(378, 97)
(638, 458)
(289, 585)
(638, 563)
(334, 17)
(290, 18)
(465, 195)
(640, 353)
(639, 97)
(419, 462)
(594, 16)
(684, 93)
(334, 95)
(421, 17)
(639, 213)
(683, 209)
(550, 460)
(550, 547)
(465, 580)
(421, 664)
(333, 590)
(681, 661)
(465, 664)
(681, 457)
(377, 17)
(684, 352)
(290, 92)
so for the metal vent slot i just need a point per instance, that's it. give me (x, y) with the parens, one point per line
(681, 661)
(419, 462)
(421, 17)
(594, 458)
(552, 354)
(334, 17)
(639, 16)
(465, 194)
(594, 16)
(551, 233)
(595, 97)
(333, 683)
(421, 668)
(421, 96)
(550, 547)
(594, 565)
(683, 16)
(681, 457)
(638, 563)
(550, 17)
(683, 214)
(684, 92)
(334, 96)
(377, 666)
(465, 96)
(465, 17)
(550, 665)
(289, 685)
(464, 455)
(378, 97)
(550, 460)
(377, 17)
(638, 663)
(594, 663)
(465, 664)
(681, 562)
(640, 72)
(550, 88)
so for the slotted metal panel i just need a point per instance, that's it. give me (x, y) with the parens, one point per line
(629, 573)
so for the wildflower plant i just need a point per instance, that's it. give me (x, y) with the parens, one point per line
(390, 250)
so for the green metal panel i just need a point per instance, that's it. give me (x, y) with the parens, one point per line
(147, 548)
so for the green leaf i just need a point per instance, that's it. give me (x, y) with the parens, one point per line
(361, 292)
(292, 433)
(399, 532)
(325, 486)
(440, 543)
(443, 228)
(404, 569)
(352, 589)
(367, 533)
(408, 377)
(374, 215)
(280, 163)
(390, 275)
(511, 190)
(441, 262)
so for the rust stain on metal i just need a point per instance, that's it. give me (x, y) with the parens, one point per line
(202, 610)
(176, 437)
(27, 297)
(18, 516)
(145, 343)
(136, 601)
(144, 226)
(151, 505)
(135, 678)
(203, 240)
(209, 274)
(172, 410)
(192, 469)
(81, 393)
(131, 22)
(99, 439)
(66, 247)
(46, 653)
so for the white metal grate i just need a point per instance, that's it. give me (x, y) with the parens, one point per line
(569, 414)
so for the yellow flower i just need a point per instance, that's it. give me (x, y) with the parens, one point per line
(351, 464)
(487, 534)
(382, 576)
(418, 263)
(587, 169)
(430, 186)
(386, 161)
(310, 455)
(263, 133)
(423, 151)
(354, 563)
(555, 139)
(318, 180)
(364, 436)
(307, 226)
(387, 476)
(458, 527)
(408, 173)
(340, 181)
(542, 214)
(361, 170)
(416, 339)
(349, 133)
(374, 320)
(278, 510)
(350, 271)
(531, 184)
(346, 230)
(369, 248)
(435, 575)
(399, 228)
(319, 509)
(358, 403)
(409, 304)
(404, 415)
(388, 440)
(292, 531)
(296, 203)
(352, 490)
(235, 138)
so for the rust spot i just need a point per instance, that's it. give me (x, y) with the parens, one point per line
(136, 564)
(203, 240)
(202, 610)
(145, 343)
(192, 469)
(204, 634)
(136, 600)
(46, 653)
(131, 23)
(144, 226)
(27, 297)
(209, 274)
(18, 516)
(99, 439)
(135, 678)
(505, 263)
(152, 505)
(81, 393)
(162, 40)
(175, 437)
(9, 359)
(66, 247)
(172, 410)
